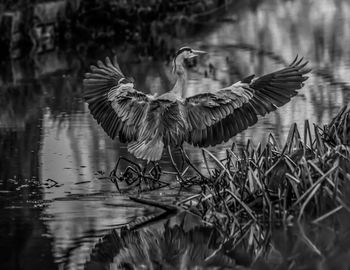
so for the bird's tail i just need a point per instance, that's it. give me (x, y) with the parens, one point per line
(150, 150)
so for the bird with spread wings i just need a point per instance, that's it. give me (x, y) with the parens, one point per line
(150, 123)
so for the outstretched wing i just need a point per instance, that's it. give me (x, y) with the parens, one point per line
(113, 101)
(216, 117)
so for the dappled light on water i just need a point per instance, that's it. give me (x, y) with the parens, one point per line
(55, 158)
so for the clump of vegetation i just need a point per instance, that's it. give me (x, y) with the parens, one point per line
(247, 196)
(44, 25)
(306, 178)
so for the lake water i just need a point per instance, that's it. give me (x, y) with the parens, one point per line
(54, 204)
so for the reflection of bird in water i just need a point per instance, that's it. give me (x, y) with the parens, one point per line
(175, 244)
(149, 123)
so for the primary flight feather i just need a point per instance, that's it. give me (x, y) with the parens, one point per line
(149, 123)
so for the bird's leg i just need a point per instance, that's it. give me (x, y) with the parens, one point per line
(179, 174)
(156, 171)
(154, 175)
(115, 182)
(190, 163)
(113, 173)
(142, 176)
(130, 175)
(137, 173)
(183, 163)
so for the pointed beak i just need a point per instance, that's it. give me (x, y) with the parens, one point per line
(196, 53)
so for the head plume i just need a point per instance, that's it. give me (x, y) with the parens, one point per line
(181, 50)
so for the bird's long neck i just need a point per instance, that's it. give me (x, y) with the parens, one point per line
(180, 86)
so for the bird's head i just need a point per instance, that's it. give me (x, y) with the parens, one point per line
(185, 53)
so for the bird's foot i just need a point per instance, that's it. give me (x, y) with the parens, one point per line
(152, 177)
(136, 175)
(130, 174)
(156, 171)
(113, 173)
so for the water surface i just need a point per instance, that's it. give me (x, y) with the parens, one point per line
(54, 206)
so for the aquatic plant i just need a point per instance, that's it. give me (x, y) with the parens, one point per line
(306, 178)
(179, 243)
(248, 204)
(184, 242)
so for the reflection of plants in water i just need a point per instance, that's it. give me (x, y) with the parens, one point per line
(164, 247)
(246, 198)
(300, 246)
(63, 95)
(18, 104)
(183, 243)
(19, 131)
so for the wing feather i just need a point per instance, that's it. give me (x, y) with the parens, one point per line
(204, 135)
(210, 136)
(115, 105)
(233, 109)
(229, 123)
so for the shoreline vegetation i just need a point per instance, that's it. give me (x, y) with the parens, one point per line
(41, 26)
(306, 178)
(301, 186)
(271, 207)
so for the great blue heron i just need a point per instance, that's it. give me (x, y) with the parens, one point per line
(150, 123)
